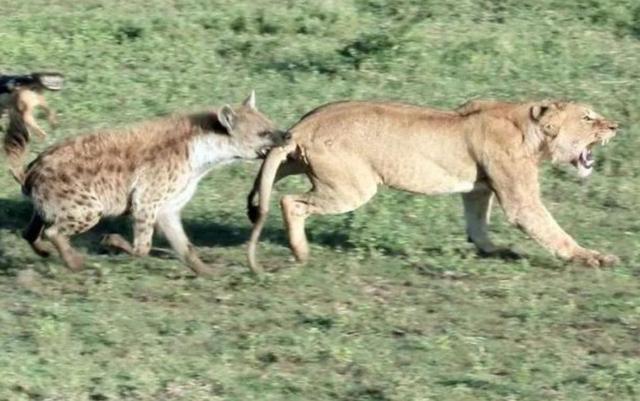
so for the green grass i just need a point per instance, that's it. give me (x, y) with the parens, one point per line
(394, 305)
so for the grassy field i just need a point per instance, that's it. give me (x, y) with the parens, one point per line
(394, 305)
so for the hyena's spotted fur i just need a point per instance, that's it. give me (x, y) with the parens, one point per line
(150, 171)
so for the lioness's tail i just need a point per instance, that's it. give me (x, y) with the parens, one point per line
(15, 146)
(265, 184)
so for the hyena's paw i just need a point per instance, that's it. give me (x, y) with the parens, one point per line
(74, 261)
(193, 262)
(117, 242)
(41, 248)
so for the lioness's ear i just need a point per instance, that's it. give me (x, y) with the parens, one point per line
(251, 100)
(538, 110)
(227, 117)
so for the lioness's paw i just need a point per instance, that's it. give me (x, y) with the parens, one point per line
(591, 258)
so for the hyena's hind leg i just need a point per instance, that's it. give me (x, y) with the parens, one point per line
(64, 227)
(33, 235)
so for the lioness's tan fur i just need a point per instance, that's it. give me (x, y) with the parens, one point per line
(483, 148)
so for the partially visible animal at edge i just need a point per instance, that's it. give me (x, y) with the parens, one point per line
(20, 95)
(149, 171)
(481, 150)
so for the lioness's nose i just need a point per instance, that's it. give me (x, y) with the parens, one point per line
(613, 125)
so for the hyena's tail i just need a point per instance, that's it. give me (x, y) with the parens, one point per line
(15, 146)
(265, 182)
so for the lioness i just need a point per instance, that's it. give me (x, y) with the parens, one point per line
(348, 149)
(149, 171)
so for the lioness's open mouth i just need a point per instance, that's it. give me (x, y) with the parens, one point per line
(585, 160)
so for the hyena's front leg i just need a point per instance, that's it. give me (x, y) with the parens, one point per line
(117, 241)
(170, 224)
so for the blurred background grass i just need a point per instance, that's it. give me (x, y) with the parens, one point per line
(394, 305)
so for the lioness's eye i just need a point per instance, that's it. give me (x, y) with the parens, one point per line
(264, 133)
(587, 117)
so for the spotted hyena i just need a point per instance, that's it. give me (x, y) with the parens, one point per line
(149, 171)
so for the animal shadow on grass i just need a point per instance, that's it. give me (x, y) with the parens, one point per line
(15, 214)
(209, 233)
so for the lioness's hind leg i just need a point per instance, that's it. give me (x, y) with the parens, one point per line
(294, 212)
(321, 200)
(477, 212)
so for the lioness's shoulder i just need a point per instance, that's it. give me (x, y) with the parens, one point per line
(479, 105)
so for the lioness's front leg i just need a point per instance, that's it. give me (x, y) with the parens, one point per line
(477, 213)
(519, 195)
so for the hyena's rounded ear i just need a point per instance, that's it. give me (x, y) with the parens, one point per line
(251, 100)
(227, 117)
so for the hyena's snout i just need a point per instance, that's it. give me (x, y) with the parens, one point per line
(274, 139)
(279, 137)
